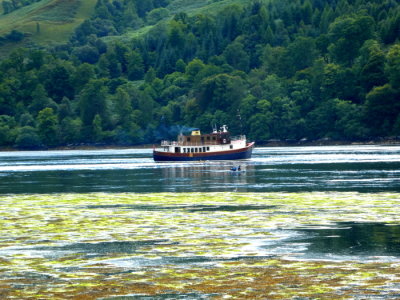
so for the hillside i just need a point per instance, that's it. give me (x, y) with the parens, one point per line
(137, 71)
(51, 22)
(46, 22)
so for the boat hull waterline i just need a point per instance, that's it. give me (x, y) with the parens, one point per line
(236, 154)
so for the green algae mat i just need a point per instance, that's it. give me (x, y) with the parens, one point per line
(200, 246)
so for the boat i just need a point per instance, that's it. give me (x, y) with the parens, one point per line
(218, 145)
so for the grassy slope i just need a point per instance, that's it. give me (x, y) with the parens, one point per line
(56, 18)
(191, 7)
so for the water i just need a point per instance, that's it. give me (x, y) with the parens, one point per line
(291, 169)
(308, 222)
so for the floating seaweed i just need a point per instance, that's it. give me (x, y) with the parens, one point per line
(200, 245)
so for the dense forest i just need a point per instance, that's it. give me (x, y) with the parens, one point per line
(277, 69)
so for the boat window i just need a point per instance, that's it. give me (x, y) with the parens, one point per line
(188, 139)
(204, 149)
(214, 138)
(208, 148)
(231, 146)
(208, 138)
(192, 150)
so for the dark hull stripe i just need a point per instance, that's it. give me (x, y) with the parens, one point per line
(243, 153)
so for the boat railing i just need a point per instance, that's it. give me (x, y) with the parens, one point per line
(169, 143)
(166, 143)
(238, 138)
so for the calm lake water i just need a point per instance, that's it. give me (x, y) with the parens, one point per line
(292, 169)
(296, 223)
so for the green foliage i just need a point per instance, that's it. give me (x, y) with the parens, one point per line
(292, 69)
(157, 15)
(393, 66)
(93, 101)
(382, 108)
(7, 134)
(347, 35)
(27, 138)
(40, 22)
(48, 127)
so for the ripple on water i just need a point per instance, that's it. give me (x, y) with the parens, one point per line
(346, 241)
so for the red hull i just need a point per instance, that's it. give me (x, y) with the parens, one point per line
(243, 153)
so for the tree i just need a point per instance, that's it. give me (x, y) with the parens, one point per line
(7, 130)
(347, 35)
(48, 127)
(123, 107)
(260, 127)
(320, 122)
(92, 101)
(57, 81)
(301, 93)
(371, 63)
(300, 54)
(180, 66)
(176, 36)
(40, 100)
(135, 67)
(82, 75)
(26, 119)
(156, 15)
(382, 108)
(71, 130)
(150, 75)
(86, 54)
(307, 12)
(349, 123)
(339, 82)
(27, 138)
(15, 36)
(7, 7)
(392, 67)
(193, 68)
(97, 129)
(221, 92)
(236, 56)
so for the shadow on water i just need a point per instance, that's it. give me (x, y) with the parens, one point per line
(361, 239)
(102, 248)
(188, 208)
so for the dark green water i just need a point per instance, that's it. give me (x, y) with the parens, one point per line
(292, 169)
(350, 238)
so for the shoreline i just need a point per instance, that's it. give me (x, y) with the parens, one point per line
(272, 143)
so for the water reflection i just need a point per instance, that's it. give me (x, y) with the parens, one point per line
(348, 238)
(206, 176)
(289, 169)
